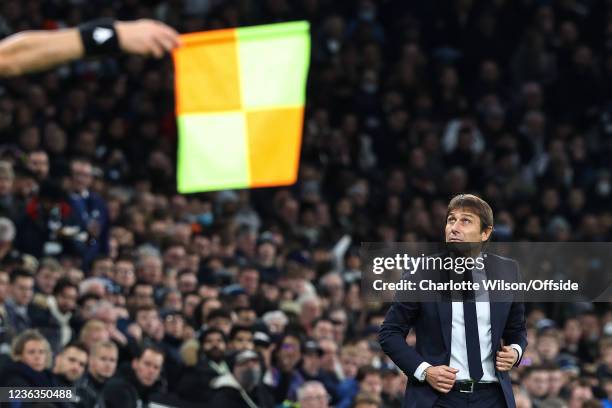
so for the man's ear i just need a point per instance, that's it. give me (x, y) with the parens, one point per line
(134, 363)
(486, 234)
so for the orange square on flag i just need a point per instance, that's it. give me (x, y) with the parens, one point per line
(275, 137)
(211, 62)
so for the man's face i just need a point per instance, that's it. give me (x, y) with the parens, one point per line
(557, 381)
(66, 299)
(314, 396)
(124, 273)
(463, 225)
(103, 268)
(147, 320)
(214, 346)
(46, 280)
(143, 295)
(249, 279)
(174, 325)
(538, 384)
(71, 363)
(579, 396)
(239, 369)
(371, 384)
(330, 350)
(323, 330)
(187, 282)
(38, 163)
(151, 270)
(548, 347)
(148, 367)
(246, 317)
(103, 364)
(243, 340)
(189, 304)
(22, 290)
(82, 176)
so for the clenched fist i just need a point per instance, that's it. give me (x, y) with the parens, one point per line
(441, 378)
(506, 358)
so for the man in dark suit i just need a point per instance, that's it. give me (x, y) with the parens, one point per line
(91, 210)
(464, 349)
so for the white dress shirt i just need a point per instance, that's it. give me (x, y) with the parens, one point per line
(458, 357)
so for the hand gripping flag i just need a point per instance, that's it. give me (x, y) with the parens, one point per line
(240, 97)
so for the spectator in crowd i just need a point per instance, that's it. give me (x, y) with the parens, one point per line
(31, 358)
(70, 364)
(38, 163)
(9, 206)
(91, 210)
(312, 394)
(50, 227)
(47, 275)
(19, 304)
(368, 381)
(241, 338)
(58, 309)
(136, 382)
(103, 357)
(205, 362)
(580, 393)
(537, 383)
(5, 328)
(242, 386)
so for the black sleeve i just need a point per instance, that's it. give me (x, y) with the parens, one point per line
(118, 395)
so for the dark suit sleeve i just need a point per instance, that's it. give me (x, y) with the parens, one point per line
(117, 395)
(515, 331)
(392, 336)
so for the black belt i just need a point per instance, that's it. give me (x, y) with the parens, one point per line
(471, 386)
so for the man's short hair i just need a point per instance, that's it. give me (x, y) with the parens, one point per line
(145, 308)
(215, 313)
(148, 346)
(476, 204)
(240, 328)
(76, 345)
(533, 369)
(103, 344)
(62, 284)
(308, 384)
(20, 273)
(209, 331)
(91, 326)
(368, 399)
(366, 370)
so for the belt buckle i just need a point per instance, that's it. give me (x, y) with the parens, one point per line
(471, 390)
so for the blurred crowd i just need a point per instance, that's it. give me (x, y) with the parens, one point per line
(112, 283)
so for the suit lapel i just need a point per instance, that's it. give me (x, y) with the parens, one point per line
(499, 309)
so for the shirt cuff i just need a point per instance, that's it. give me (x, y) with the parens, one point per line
(519, 350)
(418, 373)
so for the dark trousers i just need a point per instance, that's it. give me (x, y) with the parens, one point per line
(492, 397)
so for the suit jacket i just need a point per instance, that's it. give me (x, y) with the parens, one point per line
(87, 209)
(432, 323)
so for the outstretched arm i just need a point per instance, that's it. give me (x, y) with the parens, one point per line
(32, 51)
